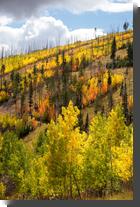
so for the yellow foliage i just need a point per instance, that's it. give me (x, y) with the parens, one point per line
(2, 190)
(123, 161)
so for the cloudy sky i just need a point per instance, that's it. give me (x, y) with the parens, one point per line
(36, 22)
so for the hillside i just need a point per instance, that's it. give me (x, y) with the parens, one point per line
(66, 116)
(95, 51)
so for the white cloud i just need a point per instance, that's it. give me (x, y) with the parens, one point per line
(36, 32)
(4, 20)
(117, 7)
(103, 5)
(137, 2)
(86, 34)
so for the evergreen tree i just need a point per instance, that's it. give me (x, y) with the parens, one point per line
(82, 65)
(79, 94)
(22, 98)
(30, 94)
(35, 83)
(42, 71)
(125, 26)
(22, 103)
(71, 62)
(87, 123)
(15, 78)
(125, 102)
(109, 81)
(2, 69)
(57, 81)
(2, 74)
(110, 98)
(121, 89)
(130, 54)
(65, 79)
(113, 51)
(80, 121)
(35, 70)
(5, 84)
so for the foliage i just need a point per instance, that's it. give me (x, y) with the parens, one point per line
(2, 190)
(3, 96)
(70, 157)
(92, 88)
(20, 126)
(13, 155)
(64, 149)
(66, 162)
(109, 145)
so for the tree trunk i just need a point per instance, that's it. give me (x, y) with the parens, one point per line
(78, 189)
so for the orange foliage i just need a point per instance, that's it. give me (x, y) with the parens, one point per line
(34, 123)
(104, 88)
(47, 109)
(90, 90)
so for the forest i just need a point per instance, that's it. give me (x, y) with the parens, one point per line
(66, 121)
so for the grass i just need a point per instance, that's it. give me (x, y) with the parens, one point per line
(127, 195)
(122, 196)
(31, 139)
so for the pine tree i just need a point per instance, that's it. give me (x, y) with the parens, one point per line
(5, 84)
(30, 94)
(125, 102)
(15, 78)
(2, 74)
(22, 98)
(65, 79)
(110, 98)
(71, 62)
(113, 51)
(57, 80)
(42, 71)
(121, 89)
(35, 70)
(35, 83)
(82, 65)
(80, 120)
(130, 54)
(125, 26)
(109, 81)
(22, 103)
(87, 123)
(2, 69)
(79, 94)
